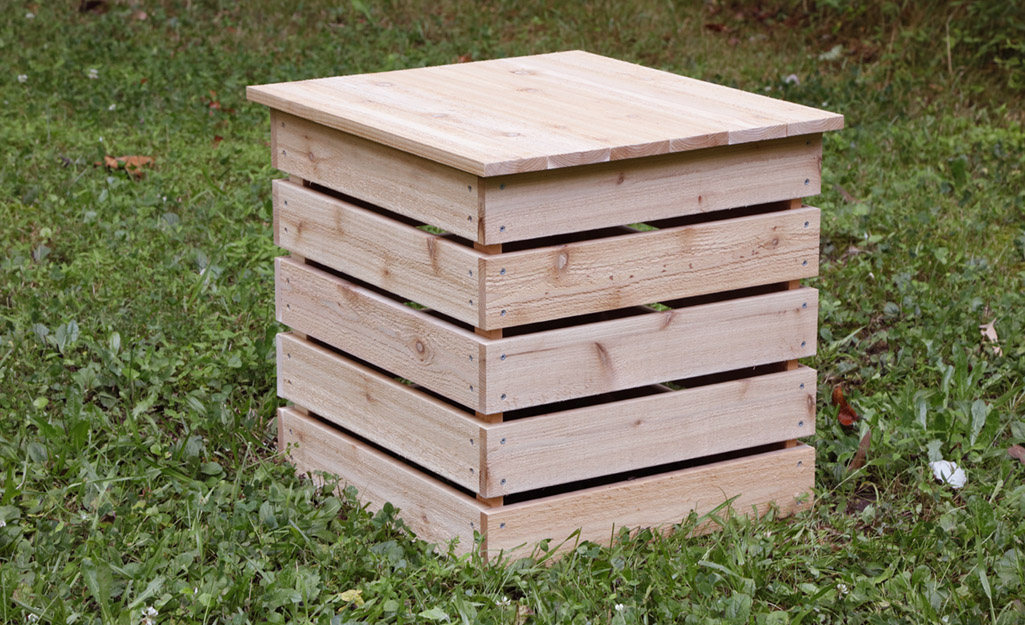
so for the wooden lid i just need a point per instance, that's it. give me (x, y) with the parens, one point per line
(540, 112)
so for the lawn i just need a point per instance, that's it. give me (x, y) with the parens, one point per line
(139, 480)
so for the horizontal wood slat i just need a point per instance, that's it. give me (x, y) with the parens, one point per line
(649, 431)
(423, 429)
(497, 375)
(537, 204)
(579, 361)
(425, 267)
(782, 477)
(436, 512)
(644, 267)
(407, 184)
(407, 342)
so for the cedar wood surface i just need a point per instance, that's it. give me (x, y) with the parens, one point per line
(547, 111)
(438, 513)
(547, 449)
(552, 281)
(497, 375)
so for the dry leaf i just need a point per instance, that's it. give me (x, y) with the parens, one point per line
(846, 416)
(1017, 452)
(990, 334)
(847, 197)
(464, 58)
(217, 140)
(861, 455)
(132, 164)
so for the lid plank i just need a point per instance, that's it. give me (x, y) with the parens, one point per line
(540, 112)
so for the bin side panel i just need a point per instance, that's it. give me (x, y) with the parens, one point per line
(537, 204)
(425, 267)
(641, 268)
(579, 444)
(783, 477)
(404, 341)
(436, 512)
(592, 359)
(420, 428)
(411, 185)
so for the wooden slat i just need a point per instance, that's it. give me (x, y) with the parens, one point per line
(553, 365)
(422, 429)
(579, 444)
(542, 112)
(591, 276)
(784, 477)
(436, 512)
(538, 204)
(496, 375)
(724, 104)
(410, 343)
(425, 190)
(424, 267)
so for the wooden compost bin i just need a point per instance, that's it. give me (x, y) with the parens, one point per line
(546, 293)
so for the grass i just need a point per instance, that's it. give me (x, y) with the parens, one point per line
(137, 466)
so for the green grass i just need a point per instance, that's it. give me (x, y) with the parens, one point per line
(136, 358)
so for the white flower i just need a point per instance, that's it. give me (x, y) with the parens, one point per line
(32, 617)
(620, 607)
(146, 621)
(842, 588)
(792, 79)
(949, 472)
(30, 16)
(112, 107)
(3, 523)
(150, 611)
(504, 601)
(22, 77)
(94, 73)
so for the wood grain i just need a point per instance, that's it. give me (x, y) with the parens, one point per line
(606, 439)
(410, 343)
(784, 477)
(538, 204)
(422, 189)
(415, 425)
(553, 365)
(435, 512)
(540, 112)
(590, 276)
(424, 267)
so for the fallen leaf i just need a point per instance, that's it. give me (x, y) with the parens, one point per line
(92, 6)
(132, 164)
(217, 140)
(1017, 452)
(464, 58)
(846, 416)
(847, 197)
(716, 27)
(352, 596)
(990, 334)
(861, 455)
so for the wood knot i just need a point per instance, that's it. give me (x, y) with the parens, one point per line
(419, 346)
(621, 178)
(561, 260)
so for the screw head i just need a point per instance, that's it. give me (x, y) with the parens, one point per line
(501, 442)
(502, 272)
(807, 181)
(503, 395)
